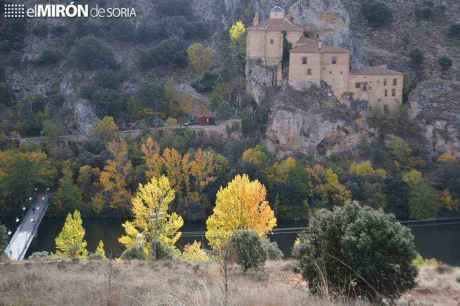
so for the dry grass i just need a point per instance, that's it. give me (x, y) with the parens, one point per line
(149, 283)
(154, 283)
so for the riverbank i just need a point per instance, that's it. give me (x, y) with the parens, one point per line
(178, 283)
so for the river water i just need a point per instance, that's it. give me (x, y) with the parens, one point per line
(434, 241)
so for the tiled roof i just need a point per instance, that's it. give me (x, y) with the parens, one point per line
(308, 45)
(376, 70)
(282, 25)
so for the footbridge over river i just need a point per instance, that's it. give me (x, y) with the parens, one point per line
(26, 231)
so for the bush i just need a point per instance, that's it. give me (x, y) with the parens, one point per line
(89, 53)
(417, 58)
(377, 14)
(133, 254)
(40, 255)
(445, 63)
(48, 57)
(272, 250)
(247, 249)
(169, 52)
(358, 251)
(110, 79)
(3, 238)
(454, 31)
(207, 83)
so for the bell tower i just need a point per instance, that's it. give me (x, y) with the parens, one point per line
(277, 12)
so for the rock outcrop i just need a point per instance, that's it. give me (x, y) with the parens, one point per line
(314, 123)
(435, 106)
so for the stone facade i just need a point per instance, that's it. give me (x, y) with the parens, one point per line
(312, 62)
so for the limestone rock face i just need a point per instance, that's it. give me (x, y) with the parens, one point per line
(313, 123)
(435, 106)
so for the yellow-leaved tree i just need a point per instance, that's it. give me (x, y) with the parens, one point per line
(70, 242)
(100, 251)
(237, 31)
(114, 177)
(152, 221)
(194, 253)
(242, 205)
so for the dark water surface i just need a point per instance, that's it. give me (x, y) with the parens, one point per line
(435, 241)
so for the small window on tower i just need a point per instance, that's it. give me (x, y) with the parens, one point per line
(304, 60)
(334, 60)
(272, 41)
(395, 82)
(308, 71)
(393, 92)
(357, 85)
(386, 92)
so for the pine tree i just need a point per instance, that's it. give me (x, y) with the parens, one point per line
(70, 242)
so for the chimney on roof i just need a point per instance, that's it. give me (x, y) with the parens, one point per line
(256, 20)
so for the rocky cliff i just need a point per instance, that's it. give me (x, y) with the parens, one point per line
(313, 122)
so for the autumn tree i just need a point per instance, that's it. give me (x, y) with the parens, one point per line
(68, 197)
(20, 173)
(242, 205)
(237, 32)
(257, 156)
(200, 57)
(189, 174)
(70, 242)
(105, 130)
(114, 177)
(328, 190)
(152, 222)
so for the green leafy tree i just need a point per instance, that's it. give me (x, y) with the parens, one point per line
(20, 173)
(424, 202)
(70, 242)
(68, 197)
(200, 58)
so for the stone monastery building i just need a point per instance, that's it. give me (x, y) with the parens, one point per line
(311, 61)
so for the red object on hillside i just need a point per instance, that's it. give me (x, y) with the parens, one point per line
(206, 120)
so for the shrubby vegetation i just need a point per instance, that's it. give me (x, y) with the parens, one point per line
(353, 251)
(169, 52)
(89, 53)
(247, 249)
(377, 13)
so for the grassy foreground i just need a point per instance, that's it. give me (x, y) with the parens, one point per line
(177, 283)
